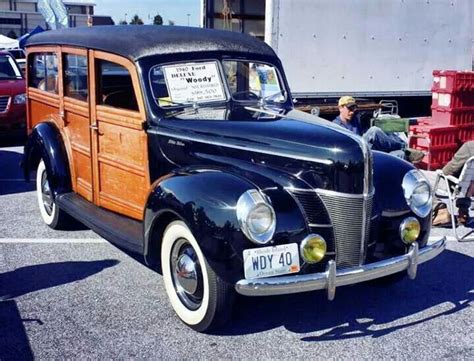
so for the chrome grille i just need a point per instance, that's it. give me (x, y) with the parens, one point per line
(350, 216)
(4, 103)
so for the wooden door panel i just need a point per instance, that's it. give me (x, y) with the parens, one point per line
(122, 168)
(119, 189)
(119, 147)
(76, 119)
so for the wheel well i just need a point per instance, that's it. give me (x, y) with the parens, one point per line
(153, 256)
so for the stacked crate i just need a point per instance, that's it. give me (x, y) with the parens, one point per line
(452, 120)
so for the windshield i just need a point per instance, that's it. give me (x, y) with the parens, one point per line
(250, 81)
(197, 83)
(8, 68)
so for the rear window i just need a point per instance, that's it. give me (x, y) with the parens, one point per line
(43, 72)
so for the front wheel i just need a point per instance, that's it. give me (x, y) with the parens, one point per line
(50, 212)
(200, 298)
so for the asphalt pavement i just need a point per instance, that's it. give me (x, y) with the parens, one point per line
(72, 295)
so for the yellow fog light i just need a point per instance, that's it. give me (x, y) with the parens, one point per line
(410, 230)
(313, 248)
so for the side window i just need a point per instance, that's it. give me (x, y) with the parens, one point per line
(75, 76)
(115, 87)
(43, 72)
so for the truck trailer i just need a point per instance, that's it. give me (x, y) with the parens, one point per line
(374, 50)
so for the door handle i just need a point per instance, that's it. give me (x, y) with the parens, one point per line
(95, 128)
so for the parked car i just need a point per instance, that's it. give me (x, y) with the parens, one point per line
(20, 57)
(12, 95)
(182, 145)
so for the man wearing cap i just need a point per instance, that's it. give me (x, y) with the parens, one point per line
(376, 137)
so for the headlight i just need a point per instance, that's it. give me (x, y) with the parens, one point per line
(417, 192)
(256, 217)
(19, 99)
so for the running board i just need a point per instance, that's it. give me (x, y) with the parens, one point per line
(120, 230)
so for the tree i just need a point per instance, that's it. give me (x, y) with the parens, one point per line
(171, 22)
(157, 20)
(123, 22)
(136, 20)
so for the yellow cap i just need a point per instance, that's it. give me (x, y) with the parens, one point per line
(346, 100)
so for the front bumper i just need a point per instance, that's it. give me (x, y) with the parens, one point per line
(333, 277)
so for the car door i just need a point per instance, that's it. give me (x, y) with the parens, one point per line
(119, 142)
(76, 118)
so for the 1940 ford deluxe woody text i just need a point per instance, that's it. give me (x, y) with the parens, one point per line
(183, 145)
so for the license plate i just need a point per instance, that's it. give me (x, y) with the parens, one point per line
(271, 261)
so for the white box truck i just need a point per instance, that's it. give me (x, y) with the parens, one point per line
(376, 49)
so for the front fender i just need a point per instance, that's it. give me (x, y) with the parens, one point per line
(206, 201)
(390, 200)
(45, 142)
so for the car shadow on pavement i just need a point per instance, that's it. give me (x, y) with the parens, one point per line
(14, 343)
(29, 279)
(11, 174)
(366, 309)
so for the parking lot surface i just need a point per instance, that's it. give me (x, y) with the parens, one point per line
(74, 295)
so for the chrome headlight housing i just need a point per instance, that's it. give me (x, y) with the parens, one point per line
(19, 99)
(256, 216)
(417, 193)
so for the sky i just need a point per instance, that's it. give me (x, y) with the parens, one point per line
(175, 10)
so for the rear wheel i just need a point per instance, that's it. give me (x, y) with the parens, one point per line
(50, 212)
(200, 298)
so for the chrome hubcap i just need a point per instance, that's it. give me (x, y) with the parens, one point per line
(187, 275)
(46, 194)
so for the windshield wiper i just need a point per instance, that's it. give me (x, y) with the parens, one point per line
(187, 107)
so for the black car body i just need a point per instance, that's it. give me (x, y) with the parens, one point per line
(246, 193)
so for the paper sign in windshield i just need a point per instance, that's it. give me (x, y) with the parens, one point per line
(199, 82)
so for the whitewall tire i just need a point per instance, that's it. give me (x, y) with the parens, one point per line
(198, 296)
(50, 212)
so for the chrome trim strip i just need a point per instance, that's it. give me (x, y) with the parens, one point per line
(233, 146)
(394, 213)
(328, 192)
(325, 280)
(320, 225)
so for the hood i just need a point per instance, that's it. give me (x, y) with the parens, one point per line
(12, 86)
(306, 147)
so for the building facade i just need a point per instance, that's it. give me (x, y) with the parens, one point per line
(18, 17)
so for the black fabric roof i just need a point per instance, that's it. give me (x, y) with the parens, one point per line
(138, 41)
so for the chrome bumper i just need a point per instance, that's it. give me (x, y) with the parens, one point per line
(333, 278)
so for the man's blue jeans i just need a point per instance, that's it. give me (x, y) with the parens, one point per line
(379, 140)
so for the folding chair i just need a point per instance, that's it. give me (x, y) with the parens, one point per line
(457, 190)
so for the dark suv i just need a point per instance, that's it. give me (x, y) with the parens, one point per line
(182, 145)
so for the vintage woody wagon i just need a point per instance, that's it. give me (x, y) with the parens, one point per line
(183, 145)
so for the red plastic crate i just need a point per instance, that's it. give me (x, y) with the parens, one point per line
(428, 137)
(455, 117)
(437, 158)
(466, 133)
(453, 81)
(446, 100)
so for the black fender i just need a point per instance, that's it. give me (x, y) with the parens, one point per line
(45, 142)
(206, 201)
(389, 197)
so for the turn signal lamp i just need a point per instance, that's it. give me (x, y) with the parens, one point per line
(410, 230)
(313, 248)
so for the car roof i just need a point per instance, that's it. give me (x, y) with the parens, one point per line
(138, 41)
